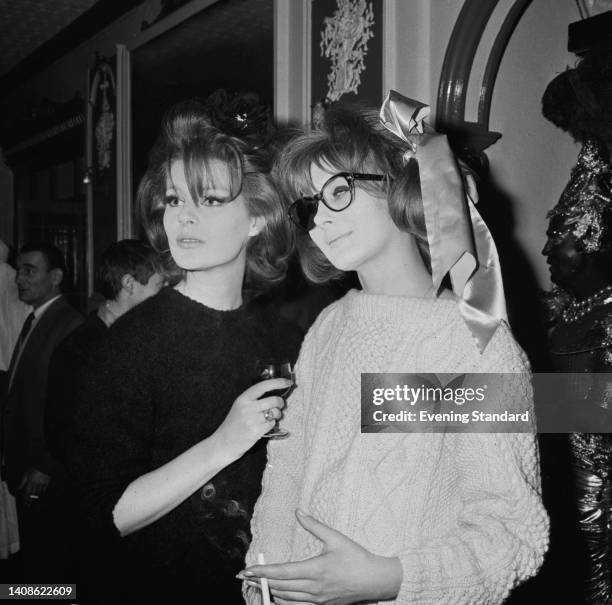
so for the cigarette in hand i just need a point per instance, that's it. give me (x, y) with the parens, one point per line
(265, 590)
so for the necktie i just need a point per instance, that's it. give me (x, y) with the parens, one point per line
(27, 325)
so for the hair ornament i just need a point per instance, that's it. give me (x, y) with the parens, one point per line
(239, 114)
(460, 243)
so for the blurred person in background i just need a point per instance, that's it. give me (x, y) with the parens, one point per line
(13, 313)
(33, 475)
(130, 272)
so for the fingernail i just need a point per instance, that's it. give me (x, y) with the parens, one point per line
(249, 574)
(241, 576)
(253, 584)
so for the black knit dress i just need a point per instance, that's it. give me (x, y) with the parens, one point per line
(164, 380)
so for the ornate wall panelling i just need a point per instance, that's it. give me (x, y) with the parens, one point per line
(471, 137)
(346, 52)
(343, 45)
(101, 162)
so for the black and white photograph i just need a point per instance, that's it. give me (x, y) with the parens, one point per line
(306, 302)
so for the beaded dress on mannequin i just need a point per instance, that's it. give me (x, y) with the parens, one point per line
(580, 345)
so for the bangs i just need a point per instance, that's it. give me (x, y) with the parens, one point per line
(212, 165)
(294, 166)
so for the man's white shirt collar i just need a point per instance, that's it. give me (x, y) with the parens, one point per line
(40, 310)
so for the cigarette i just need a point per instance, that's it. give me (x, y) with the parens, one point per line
(33, 496)
(265, 590)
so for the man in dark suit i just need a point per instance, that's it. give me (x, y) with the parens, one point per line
(32, 474)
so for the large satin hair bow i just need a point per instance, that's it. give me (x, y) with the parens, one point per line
(460, 243)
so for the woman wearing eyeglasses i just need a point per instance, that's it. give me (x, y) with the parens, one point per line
(416, 517)
(169, 456)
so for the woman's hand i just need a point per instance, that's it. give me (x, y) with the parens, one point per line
(245, 423)
(343, 573)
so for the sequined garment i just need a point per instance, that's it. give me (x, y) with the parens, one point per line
(581, 351)
(587, 194)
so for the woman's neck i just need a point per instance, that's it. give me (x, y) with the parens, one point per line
(400, 272)
(213, 289)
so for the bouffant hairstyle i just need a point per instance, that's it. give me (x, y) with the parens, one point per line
(579, 99)
(352, 139)
(189, 136)
(127, 256)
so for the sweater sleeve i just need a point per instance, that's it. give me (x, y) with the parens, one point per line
(501, 533)
(114, 416)
(274, 514)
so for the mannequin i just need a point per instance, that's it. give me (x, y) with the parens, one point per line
(579, 253)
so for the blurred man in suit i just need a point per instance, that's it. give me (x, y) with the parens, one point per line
(130, 272)
(12, 313)
(32, 474)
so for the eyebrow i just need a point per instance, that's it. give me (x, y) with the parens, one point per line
(173, 190)
(216, 192)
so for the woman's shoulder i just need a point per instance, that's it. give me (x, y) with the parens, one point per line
(329, 314)
(149, 318)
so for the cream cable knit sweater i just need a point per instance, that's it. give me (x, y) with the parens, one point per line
(462, 511)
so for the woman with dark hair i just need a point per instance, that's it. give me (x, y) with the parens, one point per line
(170, 456)
(429, 516)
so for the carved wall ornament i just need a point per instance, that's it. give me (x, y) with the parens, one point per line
(104, 84)
(344, 41)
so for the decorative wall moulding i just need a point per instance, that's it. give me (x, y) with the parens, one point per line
(345, 48)
(102, 99)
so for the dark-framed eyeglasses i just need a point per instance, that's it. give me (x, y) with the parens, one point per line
(337, 194)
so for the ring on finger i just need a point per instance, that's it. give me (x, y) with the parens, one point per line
(269, 414)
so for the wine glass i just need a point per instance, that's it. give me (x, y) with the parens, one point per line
(266, 370)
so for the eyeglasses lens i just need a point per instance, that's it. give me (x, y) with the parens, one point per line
(303, 213)
(336, 195)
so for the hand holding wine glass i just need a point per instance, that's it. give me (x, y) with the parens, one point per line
(251, 414)
(268, 370)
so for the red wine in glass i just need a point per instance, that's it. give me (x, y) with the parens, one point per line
(266, 370)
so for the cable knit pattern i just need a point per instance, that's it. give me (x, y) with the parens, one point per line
(463, 512)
